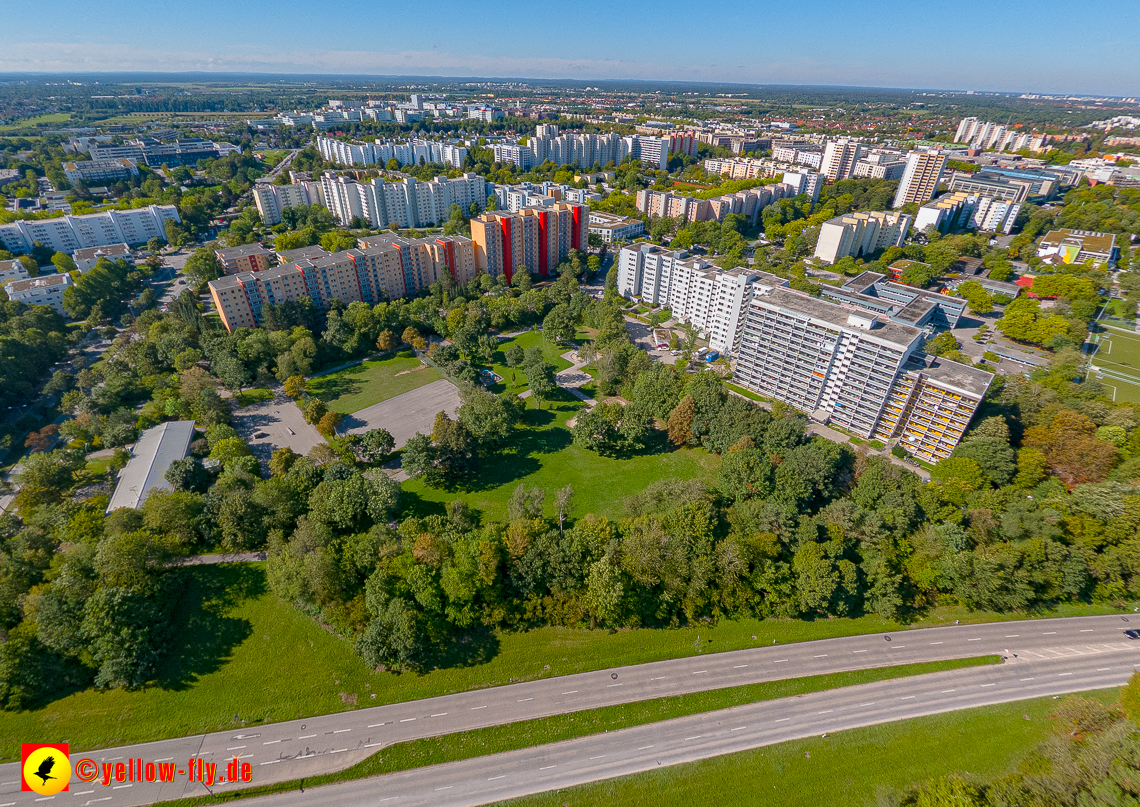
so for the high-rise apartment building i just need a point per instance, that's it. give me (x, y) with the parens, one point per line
(713, 300)
(839, 158)
(961, 209)
(380, 151)
(856, 234)
(69, 233)
(382, 268)
(534, 238)
(246, 258)
(272, 199)
(409, 203)
(920, 178)
(848, 367)
(997, 137)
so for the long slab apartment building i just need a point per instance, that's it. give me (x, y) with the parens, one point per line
(854, 360)
(384, 267)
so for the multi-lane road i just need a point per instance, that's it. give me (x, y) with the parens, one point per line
(1052, 656)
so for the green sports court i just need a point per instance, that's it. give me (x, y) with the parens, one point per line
(1117, 358)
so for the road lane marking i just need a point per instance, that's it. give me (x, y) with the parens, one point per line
(659, 678)
(739, 666)
(782, 719)
(821, 655)
(548, 767)
(989, 685)
(599, 756)
(373, 726)
(937, 642)
(116, 787)
(1027, 679)
(907, 697)
(1064, 673)
(825, 712)
(861, 705)
(342, 731)
(1012, 635)
(524, 700)
(445, 787)
(307, 736)
(305, 756)
(700, 672)
(493, 778)
(441, 714)
(339, 750)
(571, 692)
(858, 651)
(1103, 669)
(407, 720)
(897, 646)
(694, 738)
(1051, 633)
(235, 748)
(609, 686)
(739, 728)
(473, 708)
(81, 792)
(948, 690)
(268, 742)
(974, 640)
(373, 745)
(1087, 630)
(271, 762)
(644, 747)
(779, 661)
(164, 759)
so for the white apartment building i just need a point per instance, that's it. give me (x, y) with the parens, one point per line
(381, 151)
(12, 270)
(839, 158)
(42, 290)
(613, 229)
(997, 137)
(881, 164)
(711, 299)
(856, 234)
(959, 209)
(94, 171)
(806, 182)
(85, 259)
(69, 233)
(920, 178)
(410, 203)
(272, 199)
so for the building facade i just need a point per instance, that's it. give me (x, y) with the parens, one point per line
(42, 290)
(69, 233)
(920, 178)
(536, 238)
(856, 234)
(246, 258)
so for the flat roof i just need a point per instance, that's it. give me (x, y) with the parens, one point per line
(242, 251)
(152, 455)
(41, 282)
(837, 315)
(962, 377)
(94, 252)
(303, 253)
(1087, 239)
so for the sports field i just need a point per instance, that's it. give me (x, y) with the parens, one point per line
(362, 385)
(1118, 358)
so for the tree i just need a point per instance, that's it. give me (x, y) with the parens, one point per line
(410, 335)
(976, 297)
(1024, 320)
(558, 326)
(314, 410)
(539, 377)
(203, 266)
(386, 341)
(489, 418)
(418, 459)
(282, 460)
(563, 500)
(681, 421)
(375, 445)
(231, 371)
(64, 263)
(526, 505)
(604, 591)
(188, 474)
(328, 423)
(295, 386)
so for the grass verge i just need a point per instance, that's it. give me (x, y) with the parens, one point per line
(371, 382)
(857, 768)
(530, 733)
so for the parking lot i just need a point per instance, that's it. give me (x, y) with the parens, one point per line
(272, 424)
(406, 414)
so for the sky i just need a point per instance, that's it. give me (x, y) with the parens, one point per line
(1046, 46)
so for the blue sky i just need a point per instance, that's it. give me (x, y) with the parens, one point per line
(1044, 46)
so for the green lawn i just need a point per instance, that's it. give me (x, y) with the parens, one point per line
(362, 385)
(858, 768)
(514, 381)
(542, 454)
(251, 396)
(1118, 354)
(529, 733)
(56, 117)
(239, 650)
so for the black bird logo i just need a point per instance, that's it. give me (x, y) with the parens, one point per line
(45, 769)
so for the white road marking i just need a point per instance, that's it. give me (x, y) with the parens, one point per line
(307, 736)
(1027, 679)
(1103, 669)
(407, 720)
(821, 655)
(937, 642)
(441, 714)
(739, 728)
(370, 745)
(644, 747)
(270, 742)
(1064, 673)
(609, 686)
(1087, 630)
(1052, 633)
(84, 792)
(524, 700)
(861, 705)
(473, 708)
(989, 685)
(825, 712)
(164, 759)
(700, 672)
(571, 692)
(694, 738)
(338, 751)
(858, 651)
(782, 719)
(373, 726)
(1012, 635)
(342, 731)
(659, 678)
(973, 640)
(548, 767)
(493, 778)
(779, 661)
(116, 787)
(271, 762)
(897, 646)
(948, 690)
(306, 756)
(739, 666)
(445, 787)
(599, 756)
(907, 697)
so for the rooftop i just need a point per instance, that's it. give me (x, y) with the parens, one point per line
(302, 254)
(41, 282)
(836, 315)
(1087, 240)
(962, 377)
(153, 454)
(94, 252)
(243, 251)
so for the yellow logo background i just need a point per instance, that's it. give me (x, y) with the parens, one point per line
(60, 772)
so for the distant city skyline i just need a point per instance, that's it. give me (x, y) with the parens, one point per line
(1043, 48)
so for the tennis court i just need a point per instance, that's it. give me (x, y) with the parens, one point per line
(1117, 359)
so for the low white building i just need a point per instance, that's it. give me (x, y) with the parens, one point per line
(43, 290)
(612, 228)
(12, 270)
(85, 259)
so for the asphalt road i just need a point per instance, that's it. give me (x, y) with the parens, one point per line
(317, 745)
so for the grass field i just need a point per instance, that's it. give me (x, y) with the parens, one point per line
(57, 117)
(1118, 354)
(857, 768)
(514, 381)
(542, 454)
(362, 385)
(251, 396)
(529, 733)
(241, 651)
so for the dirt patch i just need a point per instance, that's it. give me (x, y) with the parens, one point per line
(411, 370)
